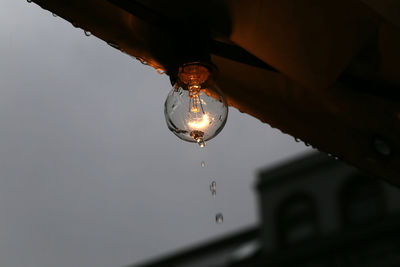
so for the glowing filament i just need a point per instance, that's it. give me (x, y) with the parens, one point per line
(200, 124)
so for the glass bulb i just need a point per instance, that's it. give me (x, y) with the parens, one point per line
(195, 109)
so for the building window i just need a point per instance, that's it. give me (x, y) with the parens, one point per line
(297, 220)
(361, 200)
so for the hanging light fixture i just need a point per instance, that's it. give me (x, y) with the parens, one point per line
(195, 109)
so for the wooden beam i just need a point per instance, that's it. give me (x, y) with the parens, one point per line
(355, 118)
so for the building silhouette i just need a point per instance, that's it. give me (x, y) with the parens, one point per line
(314, 211)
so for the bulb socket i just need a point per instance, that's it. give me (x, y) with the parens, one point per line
(194, 74)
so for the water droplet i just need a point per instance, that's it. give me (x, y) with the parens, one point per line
(307, 144)
(203, 164)
(213, 186)
(160, 71)
(382, 147)
(87, 33)
(29, 1)
(201, 143)
(198, 137)
(142, 60)
(114, 45)
(297, 139)
(219, 218)
(54, 15)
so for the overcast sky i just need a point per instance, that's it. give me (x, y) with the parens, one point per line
(89, 173)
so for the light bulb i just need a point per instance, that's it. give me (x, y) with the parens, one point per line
(195, 109)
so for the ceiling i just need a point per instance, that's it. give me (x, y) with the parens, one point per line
(324, 72)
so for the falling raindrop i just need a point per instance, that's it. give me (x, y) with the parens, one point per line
(203, 164)
(87, 33)
(213, 186)
(219, 218)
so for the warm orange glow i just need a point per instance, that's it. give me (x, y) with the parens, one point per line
(201, 124)
(193, 74)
